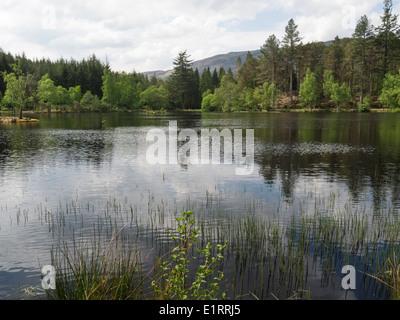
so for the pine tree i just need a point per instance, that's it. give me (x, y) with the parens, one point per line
(246, 77)
(206, 81)
(290, 42)
(363, 35)
(386, 37)
(215, 79)
(333, 58)
(182, 85)
(269, 60)
(221, 74)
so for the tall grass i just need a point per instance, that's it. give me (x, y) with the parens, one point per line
(98, 270)
(389, 276)
(118, 253)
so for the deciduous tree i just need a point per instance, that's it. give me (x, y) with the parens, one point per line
(20, 87)
(309, 92)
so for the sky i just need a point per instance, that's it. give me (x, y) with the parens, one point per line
(146, 35)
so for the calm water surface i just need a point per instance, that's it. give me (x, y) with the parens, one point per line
(73, 158)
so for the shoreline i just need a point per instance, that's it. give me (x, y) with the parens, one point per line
(5, 116)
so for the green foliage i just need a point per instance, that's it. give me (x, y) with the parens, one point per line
(290, 42)
(250, 102)
(228, 97)
(270, 60)
(183, 84)
(47, 90)
(266, 96)
(62, 96)
(329, 82)
(363, 42)
(292, 36)
(66, 73)
(365, 106)
(91, 100)
(129, 89)
(173, 282)
(109, 88)
(247, 73)
(218, 100)
(390, 96)
(273, 94)
(121, 90)
(155, 98)
(20, 87)
(75, 93)
(206, 82)
(340, 95)
(309, 91)
(387, 40)
(50, 95)
(206, 104)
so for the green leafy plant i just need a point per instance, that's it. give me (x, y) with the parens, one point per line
(172, 284)
(390, 96)
(339, 95)
(366, 105)
(309, 92)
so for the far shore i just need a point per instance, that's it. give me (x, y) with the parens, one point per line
(8, 117)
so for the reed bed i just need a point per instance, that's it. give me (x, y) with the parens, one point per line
(112, 253)
(108, 270)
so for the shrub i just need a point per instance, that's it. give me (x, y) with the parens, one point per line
(390, 96)
(366, 105)
(309, 92)
(173, 284)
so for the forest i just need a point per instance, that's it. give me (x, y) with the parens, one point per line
(361, 72)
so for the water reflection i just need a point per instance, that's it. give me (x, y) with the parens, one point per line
(94, 156)
(363, 151)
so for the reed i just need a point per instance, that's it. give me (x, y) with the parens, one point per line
(97, 269)
(112, 253)
(389, 276)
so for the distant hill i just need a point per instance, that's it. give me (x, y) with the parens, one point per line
(226, 61)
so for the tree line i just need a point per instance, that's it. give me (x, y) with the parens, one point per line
(83, 85)
(361, 71)
(357, 72)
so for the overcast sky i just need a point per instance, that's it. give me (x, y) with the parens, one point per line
(147, 35)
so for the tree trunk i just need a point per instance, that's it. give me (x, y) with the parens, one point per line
(291, 85)
(362, 92)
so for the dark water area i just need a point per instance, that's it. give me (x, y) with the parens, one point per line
(74, 163)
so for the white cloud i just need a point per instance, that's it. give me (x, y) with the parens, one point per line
(147, 35)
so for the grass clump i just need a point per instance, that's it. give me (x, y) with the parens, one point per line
(101, 268)
(99, 271)
(389, 276)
